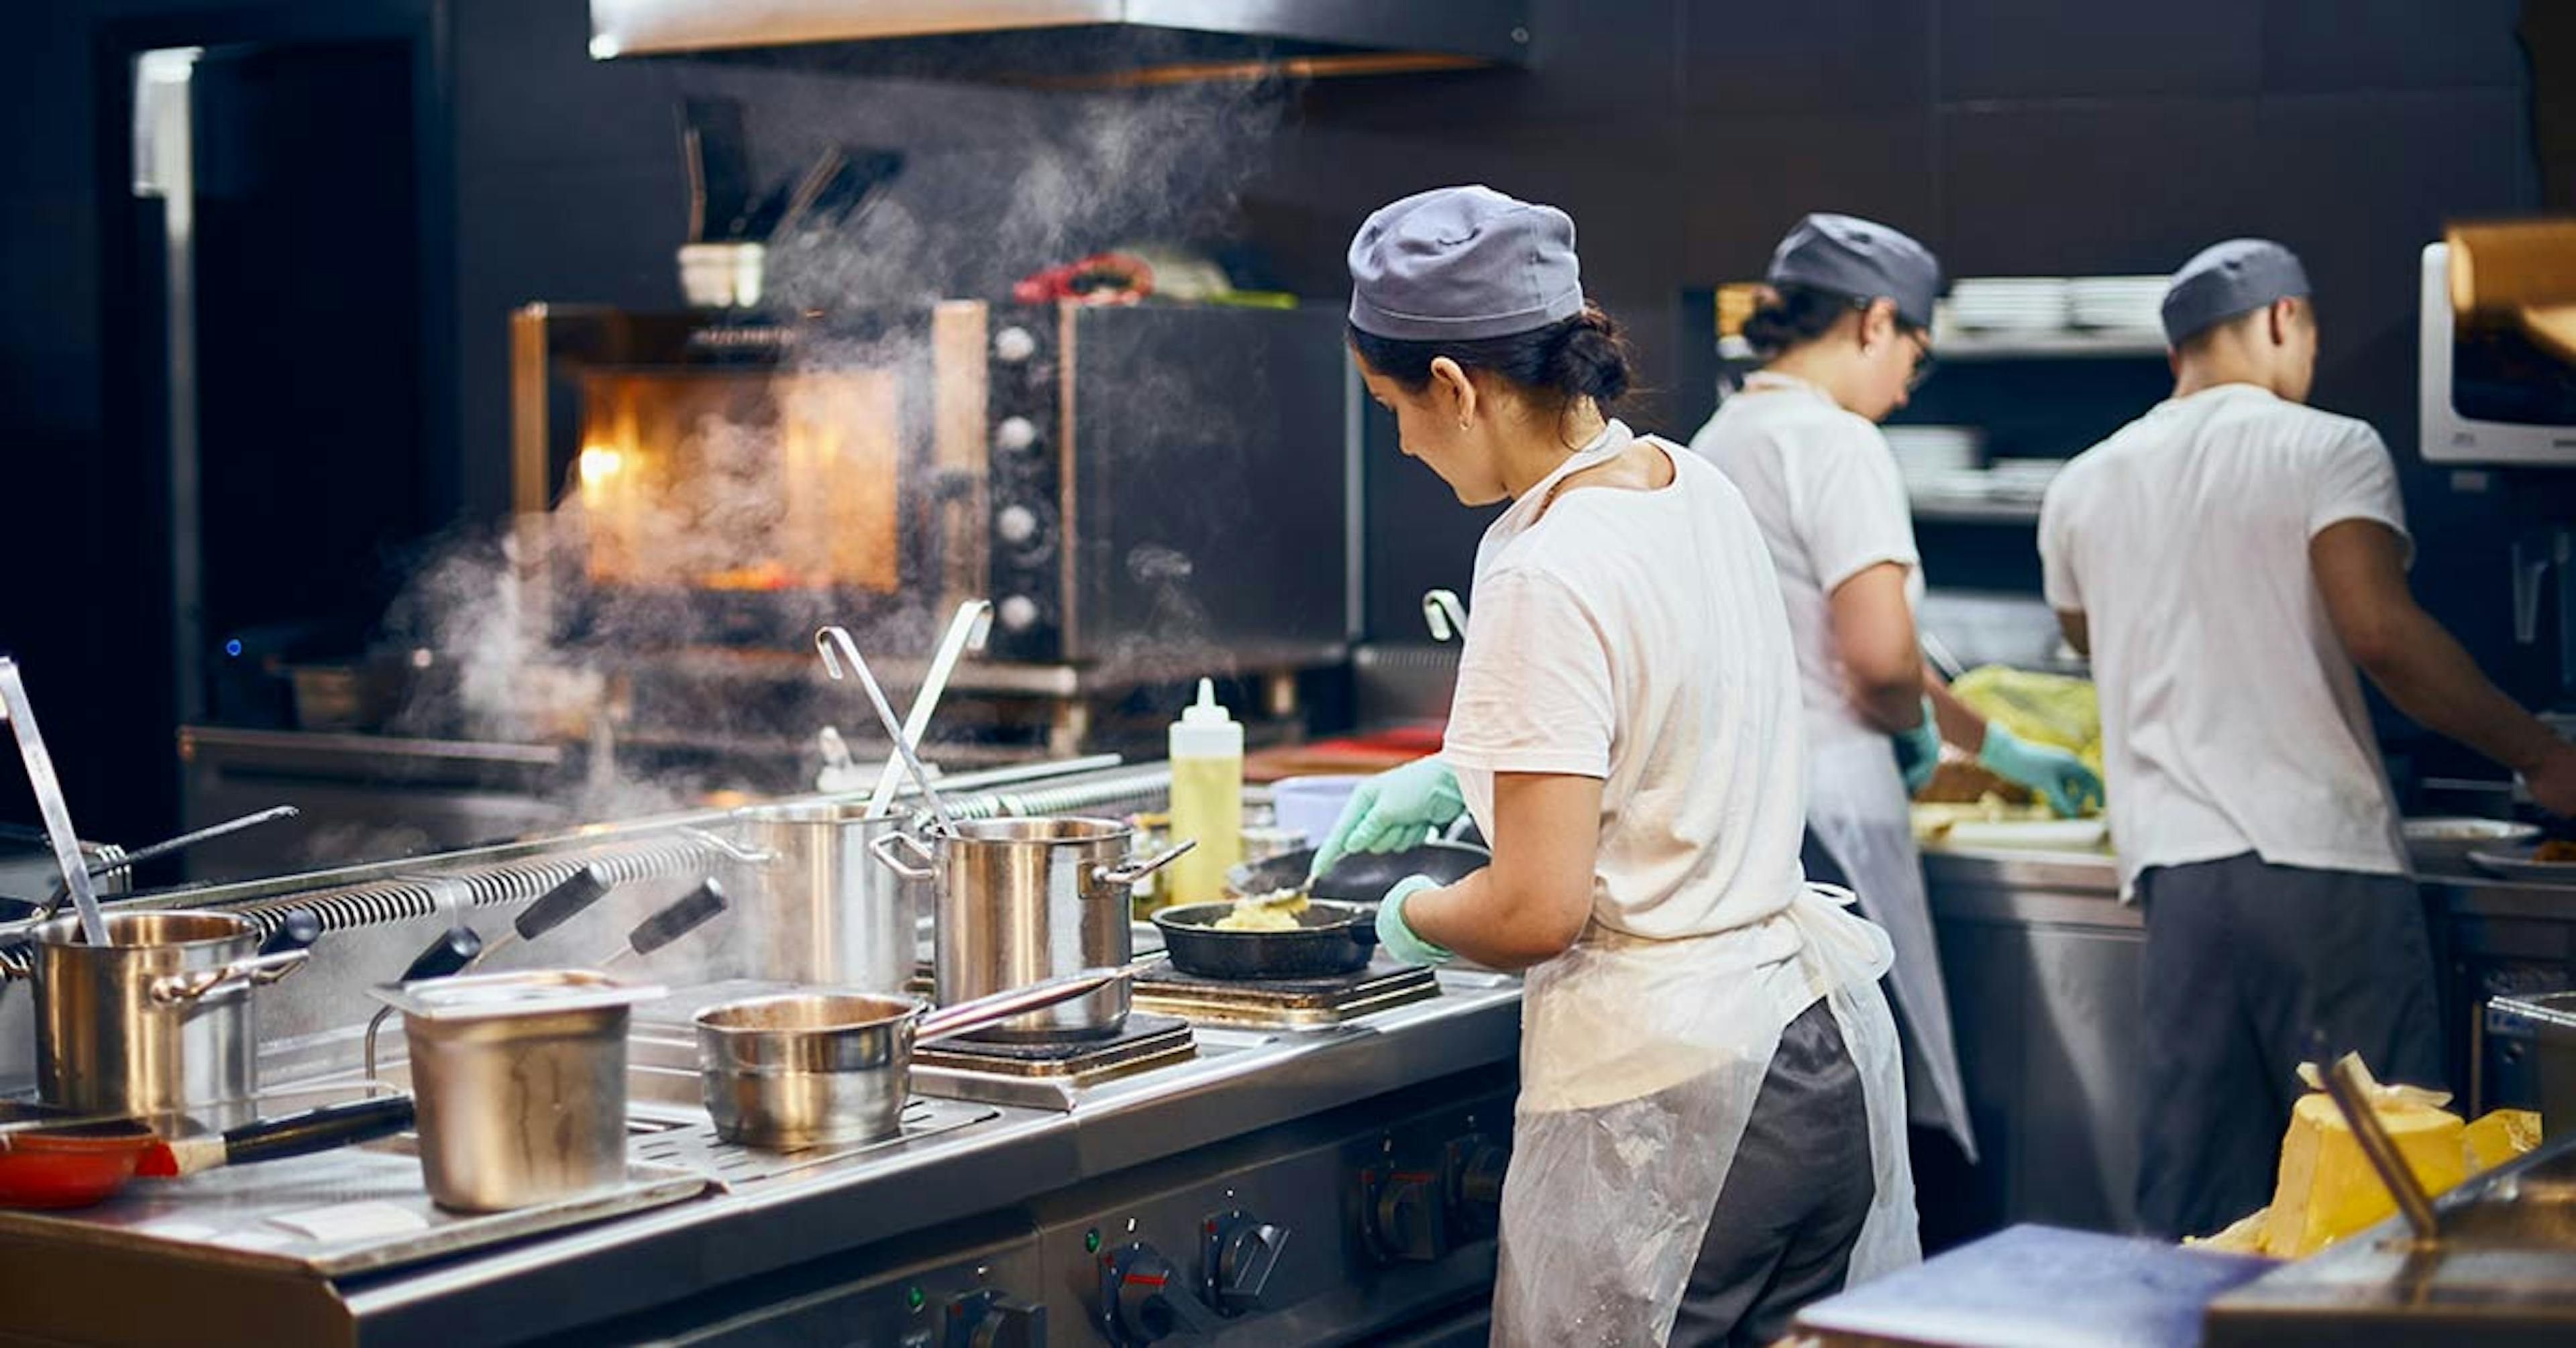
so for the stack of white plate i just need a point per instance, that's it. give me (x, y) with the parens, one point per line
(1926, 451)
(2010, 303)
(2117, 303)
(2021, 480)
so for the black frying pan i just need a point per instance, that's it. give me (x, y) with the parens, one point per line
(1362, 877)
(1331, 938)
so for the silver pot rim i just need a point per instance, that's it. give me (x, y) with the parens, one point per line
(61, 932)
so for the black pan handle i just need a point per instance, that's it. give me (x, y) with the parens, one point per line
(317, 1129)
(694, 910)
(455, 948)
(560, 904)
(297, 929)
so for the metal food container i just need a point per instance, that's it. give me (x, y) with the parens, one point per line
(1022, 900)
(821, 911)
(157, 1023)
(520, 1084)
(2551, 1019)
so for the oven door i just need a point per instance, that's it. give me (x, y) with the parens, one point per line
(694, 483)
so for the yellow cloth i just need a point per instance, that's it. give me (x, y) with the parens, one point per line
(2042, 708)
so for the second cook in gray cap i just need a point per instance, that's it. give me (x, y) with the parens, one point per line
(2227, 279)
(1862, 259)
(1462, 264)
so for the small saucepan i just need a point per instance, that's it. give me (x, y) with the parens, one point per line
(1329, 938)
(808, 1069)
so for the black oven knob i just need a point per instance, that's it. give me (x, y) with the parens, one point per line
(1017, 613)
(1014, 344)
(1015, 435)
(1143, 1299)
(1405, 1216)
(1474, 1180)
(990, 1320)
(1242, 1250)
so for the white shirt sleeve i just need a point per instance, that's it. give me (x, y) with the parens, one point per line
(2356, 480)
(2057, 581)
(1850, 504)
(1535, 691)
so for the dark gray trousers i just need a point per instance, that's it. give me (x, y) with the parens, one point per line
(2244, 959)
(1781, 1235)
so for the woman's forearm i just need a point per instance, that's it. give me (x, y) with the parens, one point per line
(1483, 921)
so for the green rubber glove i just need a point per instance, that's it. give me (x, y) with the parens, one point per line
(1918, 750)
(1396, 935)
(2060, 778)
(1394, 810)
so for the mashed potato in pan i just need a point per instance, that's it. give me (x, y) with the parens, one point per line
(1274, 911)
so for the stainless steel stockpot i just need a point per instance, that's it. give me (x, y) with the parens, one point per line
(820, 911)
(1024, 899)
(157, 1023)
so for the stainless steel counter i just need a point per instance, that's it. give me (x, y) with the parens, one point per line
(2042, 963)
(1242, 1084)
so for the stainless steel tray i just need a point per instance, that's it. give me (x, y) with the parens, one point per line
(355, 1210)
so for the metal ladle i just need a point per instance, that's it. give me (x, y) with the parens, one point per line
(839, 637)
(968, 631)
(49, 802)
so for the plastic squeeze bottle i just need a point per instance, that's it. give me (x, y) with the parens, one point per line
(1207, 798)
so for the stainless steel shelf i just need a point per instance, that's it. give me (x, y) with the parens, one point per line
(2068, 344)
(1978, 512)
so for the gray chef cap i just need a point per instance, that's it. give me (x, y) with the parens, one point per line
(2227, 279)
(1862, 259)
(1462, 264)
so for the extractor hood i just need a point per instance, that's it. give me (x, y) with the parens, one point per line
(1080, 41)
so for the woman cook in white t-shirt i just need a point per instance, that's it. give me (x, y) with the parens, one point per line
(1709, 1130)
(1843, 334)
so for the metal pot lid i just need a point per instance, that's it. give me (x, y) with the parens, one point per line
(525, 992)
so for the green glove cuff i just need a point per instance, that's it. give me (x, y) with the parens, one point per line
(1397, 935)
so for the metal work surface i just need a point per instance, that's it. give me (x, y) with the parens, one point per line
(2038, 1285)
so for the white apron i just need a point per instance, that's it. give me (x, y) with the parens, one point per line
(1857, 806)
(1640, 1064)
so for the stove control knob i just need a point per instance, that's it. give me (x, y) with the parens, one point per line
(1241, 1252)
(1018, 613)
(1016, 524)
(1015, 435)
(989, 1320)
(1143, 1299)
(1014, 344)
(1474, 1175)
(1405, 1217)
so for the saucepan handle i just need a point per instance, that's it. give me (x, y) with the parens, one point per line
(884, 847)
(172, 989)
(949, 1021)
(1133, 869)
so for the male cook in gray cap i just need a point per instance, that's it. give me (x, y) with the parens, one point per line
(2226, 560)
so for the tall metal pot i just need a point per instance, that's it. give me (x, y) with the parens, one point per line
(157, 1023)
(1021, 900)
(820, 910)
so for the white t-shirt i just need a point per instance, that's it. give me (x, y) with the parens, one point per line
(2231, 717)
(1824, 488)
(1637, 637)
